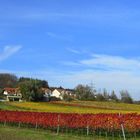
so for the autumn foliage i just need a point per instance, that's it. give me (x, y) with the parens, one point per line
(108, 122)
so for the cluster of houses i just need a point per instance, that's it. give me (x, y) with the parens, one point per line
(14, 94)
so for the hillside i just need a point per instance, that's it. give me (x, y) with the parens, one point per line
(72, 107)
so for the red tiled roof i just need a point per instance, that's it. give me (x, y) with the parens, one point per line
(11, 90)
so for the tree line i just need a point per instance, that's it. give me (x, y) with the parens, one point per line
(87, 92)
(31, 90)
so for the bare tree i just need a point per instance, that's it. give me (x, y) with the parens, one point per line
(125, 97)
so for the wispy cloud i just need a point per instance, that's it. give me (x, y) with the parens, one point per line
(109, 62)
(8, 51)
(74, 51)
(60, 37)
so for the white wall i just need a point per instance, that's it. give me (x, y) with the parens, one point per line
(5, 93)
(57, 94)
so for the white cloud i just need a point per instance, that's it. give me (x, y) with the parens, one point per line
(108, 63)
(74, 51)
(9, 51)
(60, 37)
(111, 63)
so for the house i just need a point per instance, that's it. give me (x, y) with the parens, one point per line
(50, 93)
(58, 93)
(71, 93)
(47, 94)
(12, 94)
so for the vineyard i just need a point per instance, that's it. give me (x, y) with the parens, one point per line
(87, 124)
(82, 107)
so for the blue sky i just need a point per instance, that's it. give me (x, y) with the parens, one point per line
(68, 42)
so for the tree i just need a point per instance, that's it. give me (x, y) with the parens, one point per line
(113, 96)
(31, 90)
(1, 94)
(100, 97)
(125, 97)
(84, 92)
(105, 95)
(1, 91)
(67, 98)
(42, 83)
(8, 80)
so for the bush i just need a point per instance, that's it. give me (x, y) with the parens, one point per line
(67, 98)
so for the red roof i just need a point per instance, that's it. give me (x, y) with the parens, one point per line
(11, 90)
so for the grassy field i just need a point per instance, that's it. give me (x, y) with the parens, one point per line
(72, 107)
(14, 133)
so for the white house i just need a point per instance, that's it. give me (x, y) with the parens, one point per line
(12, 94)
(57, 93)
(60, 92)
